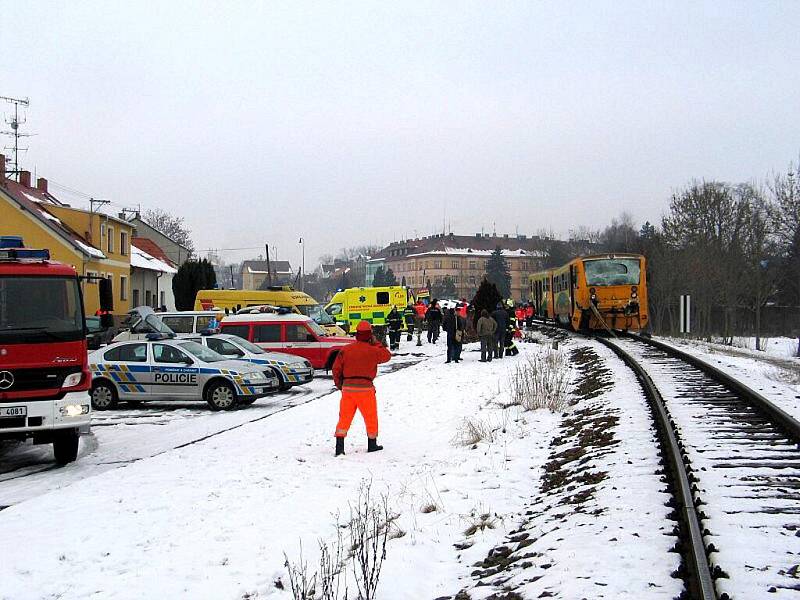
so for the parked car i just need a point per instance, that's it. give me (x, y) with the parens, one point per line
(291, 333)
(169, 369)
(96, 334)
(141, 322)
(291, 370)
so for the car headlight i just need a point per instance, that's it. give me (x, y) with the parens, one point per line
(255, 375)
(72, 380)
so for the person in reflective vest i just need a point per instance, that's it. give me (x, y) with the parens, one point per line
(354, 369)
(409, 314)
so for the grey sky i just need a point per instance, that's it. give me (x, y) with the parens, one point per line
(350, 123)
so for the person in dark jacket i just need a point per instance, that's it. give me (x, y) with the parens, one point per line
(395, 323)
(453, 325)
(510, 347)
(410, 316)
(501, 318)
(486, 328)
(434, 318)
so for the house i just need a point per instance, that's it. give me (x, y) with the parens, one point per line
(151, 275)
(94, 244)
(175, 252)
(254, 273)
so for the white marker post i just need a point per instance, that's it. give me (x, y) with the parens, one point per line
(686, 303)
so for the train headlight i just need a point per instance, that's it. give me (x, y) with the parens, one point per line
(592, 291)
(634, 289)
(633, 294)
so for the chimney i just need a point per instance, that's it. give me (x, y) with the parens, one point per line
(2, 167)
(41, 184)
(25, 178)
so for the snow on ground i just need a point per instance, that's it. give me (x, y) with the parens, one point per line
(213, 519)
(776, 378)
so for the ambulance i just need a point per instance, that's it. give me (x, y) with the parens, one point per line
(278, 295)
(372, 304)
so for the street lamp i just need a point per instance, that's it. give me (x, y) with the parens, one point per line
(302, 265)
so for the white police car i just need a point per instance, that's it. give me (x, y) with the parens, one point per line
(290, 369)
(174, 369)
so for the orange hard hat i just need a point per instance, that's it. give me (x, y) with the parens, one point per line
(364, 327)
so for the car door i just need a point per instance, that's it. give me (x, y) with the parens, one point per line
(127, 365)
(301, 341)
(268, 336)
(174, 373)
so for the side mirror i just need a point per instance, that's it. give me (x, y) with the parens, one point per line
(187, 361)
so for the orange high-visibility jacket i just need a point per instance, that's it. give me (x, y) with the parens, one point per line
(359, 362)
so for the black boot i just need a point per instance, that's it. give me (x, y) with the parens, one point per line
(339, 446)
(372, 445)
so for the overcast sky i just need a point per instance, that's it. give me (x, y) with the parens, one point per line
(363, 122)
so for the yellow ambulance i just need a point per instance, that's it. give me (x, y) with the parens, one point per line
(283, 295)
(372, 304)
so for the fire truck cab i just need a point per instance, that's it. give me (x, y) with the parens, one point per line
(44, 376)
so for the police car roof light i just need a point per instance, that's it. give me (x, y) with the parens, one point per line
(152, 337)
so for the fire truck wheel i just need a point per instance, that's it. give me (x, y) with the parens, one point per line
(65, 446)
(104, 396)
(221, 396)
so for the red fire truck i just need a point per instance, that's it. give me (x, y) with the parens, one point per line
(44, 374)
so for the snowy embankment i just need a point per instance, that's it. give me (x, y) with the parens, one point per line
(774, 374)
(213, 520)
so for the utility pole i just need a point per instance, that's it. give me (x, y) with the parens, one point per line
(233, 283)
(302, 266)
(99, 203)
(14, 122)
(269, 269)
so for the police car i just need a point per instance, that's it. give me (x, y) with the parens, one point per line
(174, 369)
(291, 370)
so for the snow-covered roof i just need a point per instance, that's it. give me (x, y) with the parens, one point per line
(142, 260)
(470, 252)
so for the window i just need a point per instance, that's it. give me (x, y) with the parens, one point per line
(264, 333)
(223, 347)
(472, 279)
(127, 353)
(298, 333)
(135, 300)
(473, 264)
(123, 287)
(91, 275)
(110, 277)
(454, 278)
(524, 265)
(111, 239)
(147, 297)
(382, 298)
(123, 243)
(169, 354)
(437, 264)
(202, 323)
(163, 299)
(102, 232)
(179, 324)
(455, 264)
(243, 331)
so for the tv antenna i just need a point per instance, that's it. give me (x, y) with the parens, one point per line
(14, 122)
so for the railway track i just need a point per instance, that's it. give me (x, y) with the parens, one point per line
(735, 464)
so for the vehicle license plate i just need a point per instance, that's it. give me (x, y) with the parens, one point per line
(13, 411)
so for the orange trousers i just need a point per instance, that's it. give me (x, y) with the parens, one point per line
(363, 399)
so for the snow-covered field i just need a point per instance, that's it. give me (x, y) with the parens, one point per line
(189, 504)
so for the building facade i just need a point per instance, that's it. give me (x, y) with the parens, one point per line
(254, 273)
(175, 252)
(463, 259)
(151, 276)
(94, 244)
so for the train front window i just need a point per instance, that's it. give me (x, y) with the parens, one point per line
(612, 271)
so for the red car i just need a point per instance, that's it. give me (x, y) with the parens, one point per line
(291, 333)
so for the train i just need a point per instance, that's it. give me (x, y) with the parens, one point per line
(591, 293)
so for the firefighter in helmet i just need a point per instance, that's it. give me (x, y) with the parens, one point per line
(355, 367)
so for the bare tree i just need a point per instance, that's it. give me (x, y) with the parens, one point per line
(170, 225)
(785, 214)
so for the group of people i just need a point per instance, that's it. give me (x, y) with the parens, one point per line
(496, 332)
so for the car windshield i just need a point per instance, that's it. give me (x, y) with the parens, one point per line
(317, 329)
(201, 352)
(40, 309)
(316, 312)
(334, 309)
(612, 271)
(252, 348)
